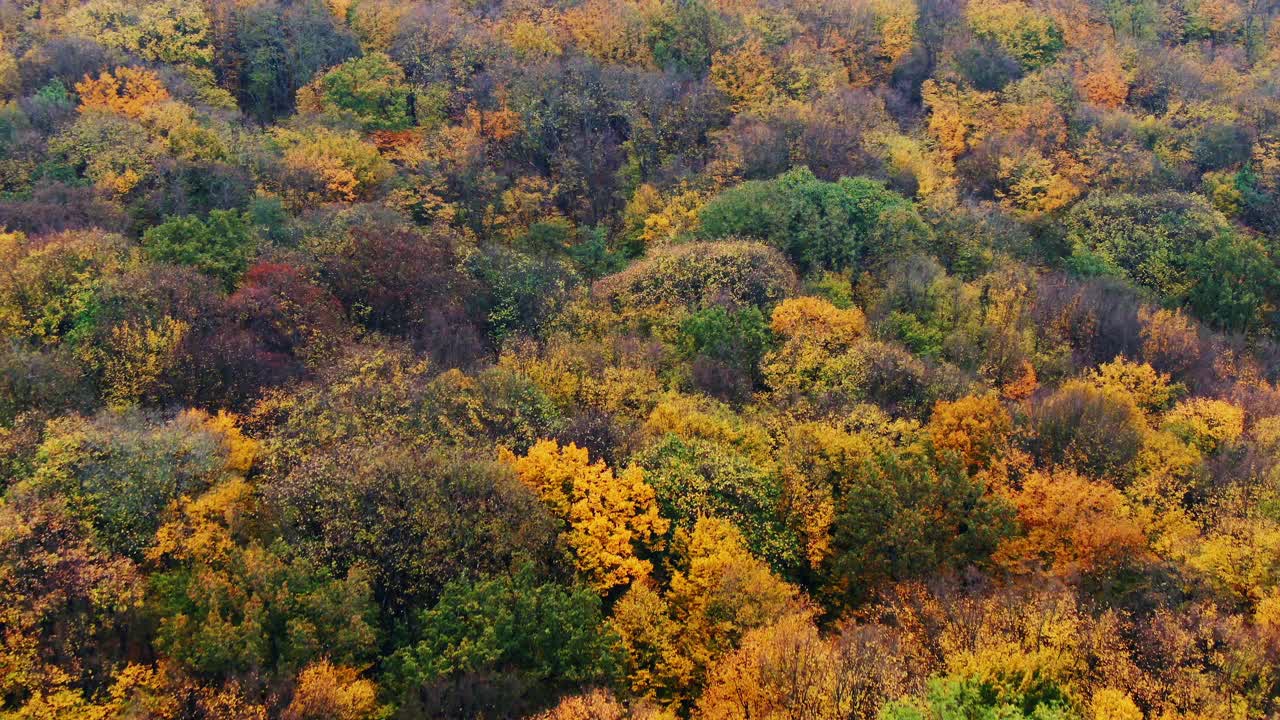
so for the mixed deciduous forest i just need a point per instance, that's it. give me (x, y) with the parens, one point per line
(640, 359)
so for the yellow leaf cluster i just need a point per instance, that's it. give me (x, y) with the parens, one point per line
(677, 218)
(332, 692)
(746, 76)
(958, 118)
(330, 165)
(130, 91)
(609, 517)
(718, 592)
(1150, 389)
(1073, 525)
(1206, 423)
(977, 428)
(140, 354)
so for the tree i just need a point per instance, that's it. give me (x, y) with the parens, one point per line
(129, 91)
(821, 225)
(321, 165)
(978, 429)
(518, 292)
(276, 48)
(718, 592)
(1034, 39)
(609, 519)
(787, 669)
(370, 90)
(288, 312)
(695, 478)
(48, 289)
(414, 520)
(746, 75)
(700, 274)
(1210, 425)
(329, 692)
(167, 31)
(726, 348)
(221, 245)
(550, 635)
(1152, 391)
(111, 150)
(813, 334)
(599, 705)
(120, 471)
(906, 516)
(957, 698)
(261, 609)
(784, 670)
(140, 357)
(66, 602)
(1147, 239)
(229, 605)
(1073, 526)
(1098, 432)
(424, 297)
(684, 36)
(1233, 282)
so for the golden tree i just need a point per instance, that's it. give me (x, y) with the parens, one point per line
(129, 91)
(610, 518)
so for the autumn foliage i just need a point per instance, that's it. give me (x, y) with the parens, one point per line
(639, 360)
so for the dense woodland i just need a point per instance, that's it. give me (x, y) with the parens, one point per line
(646, 359)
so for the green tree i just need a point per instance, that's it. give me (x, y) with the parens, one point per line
(120, 471)
(1147, 239)
(370, 90)
(701, 274)
(973, 699)
(416, 521)
(548, 633)
(685, 35)
(277, 48)
(851, 223)
(261, 609)
(737, 339)
(221, 245)
(905, 515)
(698, 478)
(1234, 280)
(1029, 36)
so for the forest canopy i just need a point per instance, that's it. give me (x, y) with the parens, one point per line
(640, 359)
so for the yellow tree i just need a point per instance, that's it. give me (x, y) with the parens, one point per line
(609, 518)
(1208, 424)
(1103, 79)
(139, 356)
(787, 670)
(783, 670)
(958, 118)
(977, 428)
(722, 592)
(324, 165)
(128, 91)
(1150, 389)
(718, 592)
(813, 333)
(10, 81)
(1073, 525)
(333, 692)
(746, 76)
